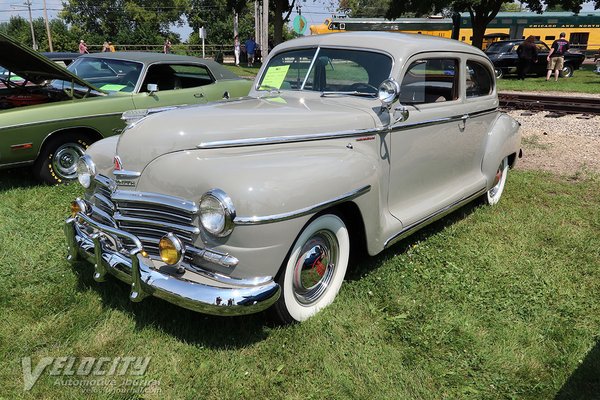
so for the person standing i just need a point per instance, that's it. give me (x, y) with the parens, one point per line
(528, 54)
(83, 47)
(556, 57)
(105, 47)
(236, 50)
(250, 49)
(111, 47)
(167, 46)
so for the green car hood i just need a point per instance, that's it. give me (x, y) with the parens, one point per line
(31, 65)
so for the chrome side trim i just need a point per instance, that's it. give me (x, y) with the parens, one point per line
(157, 199)
(437, 121)
(124, 174)
(288, 139)
(60, 120)
(16, 164)
(269, 219)
(431, 218)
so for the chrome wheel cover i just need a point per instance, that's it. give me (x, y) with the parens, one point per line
(315, 267)
(64, 160)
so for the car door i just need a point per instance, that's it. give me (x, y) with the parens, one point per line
(427, 171)
(542, 62)
(178, 84)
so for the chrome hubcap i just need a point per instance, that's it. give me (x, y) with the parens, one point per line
(64, 161)
(315, 267)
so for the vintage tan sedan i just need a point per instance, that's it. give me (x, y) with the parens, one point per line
(354, 139)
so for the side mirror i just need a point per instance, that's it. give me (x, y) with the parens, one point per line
(152, 88)
(388, 92)
(400, 113)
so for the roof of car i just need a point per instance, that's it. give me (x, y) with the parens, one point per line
(399, 45)
(150, 58)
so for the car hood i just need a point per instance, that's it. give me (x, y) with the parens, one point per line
(31, 65)
(207, 126)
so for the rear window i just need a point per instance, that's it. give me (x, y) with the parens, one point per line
(498, 48)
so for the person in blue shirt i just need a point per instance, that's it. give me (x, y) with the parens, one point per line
(250, 49)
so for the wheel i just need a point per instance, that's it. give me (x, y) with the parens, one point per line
(567, 71)
(493, 195)
(57, 162)
(315, 269)
(499, 73)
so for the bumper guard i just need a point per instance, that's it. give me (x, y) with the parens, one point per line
(235, 297)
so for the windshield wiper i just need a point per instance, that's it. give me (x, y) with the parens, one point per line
(263, 88)
(348, 93)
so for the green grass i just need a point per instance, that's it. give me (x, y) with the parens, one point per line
(584, 80)
(488, 303)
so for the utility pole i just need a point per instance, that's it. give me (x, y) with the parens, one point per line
(264, 40)
(28, 4)
(48, 27)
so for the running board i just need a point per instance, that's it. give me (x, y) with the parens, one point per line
(432, 218)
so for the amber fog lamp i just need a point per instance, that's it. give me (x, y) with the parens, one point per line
(170, 249)
(78, 206)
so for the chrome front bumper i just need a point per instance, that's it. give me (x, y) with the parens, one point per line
(207, 293)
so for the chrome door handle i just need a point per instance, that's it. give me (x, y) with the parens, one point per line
(198, 95)
(463, 119)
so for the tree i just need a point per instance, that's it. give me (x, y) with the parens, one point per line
(482, 12)
(364, 8)
(124, 21)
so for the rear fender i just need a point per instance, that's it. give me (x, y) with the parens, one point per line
(504, 139)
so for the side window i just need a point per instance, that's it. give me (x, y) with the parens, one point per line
(429, 81)
(174, 76)
(479, 80)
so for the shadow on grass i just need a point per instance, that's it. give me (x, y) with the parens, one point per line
(362, 263)
(230, 332)
(584, 383)
(17, 178)
(185, 325)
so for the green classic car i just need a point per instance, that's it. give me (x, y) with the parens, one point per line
(51, 117)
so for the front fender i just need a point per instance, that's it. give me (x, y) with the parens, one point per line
(504, 139)
(262, 182)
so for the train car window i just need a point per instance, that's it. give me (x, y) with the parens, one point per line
(550, 38)
(479, 80)
(430, 81)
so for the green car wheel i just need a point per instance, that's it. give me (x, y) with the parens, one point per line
(57, 162)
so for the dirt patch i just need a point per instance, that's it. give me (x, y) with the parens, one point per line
(568, 145)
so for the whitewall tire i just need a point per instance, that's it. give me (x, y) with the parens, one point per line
(493, 195)
(313, 274)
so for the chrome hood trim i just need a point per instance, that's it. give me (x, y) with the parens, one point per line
(254, 121)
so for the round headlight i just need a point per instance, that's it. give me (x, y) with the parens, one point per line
(217, 213)
(388, 91)
(86, 171)
(171, 249)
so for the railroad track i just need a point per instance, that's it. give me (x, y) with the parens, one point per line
(556, 104)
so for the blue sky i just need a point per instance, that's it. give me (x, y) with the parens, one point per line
(315, 11)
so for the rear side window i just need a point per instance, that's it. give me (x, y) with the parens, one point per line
(430, 80)
(479, 80)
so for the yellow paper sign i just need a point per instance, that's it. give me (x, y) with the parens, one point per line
(274, 77)
(113, 87)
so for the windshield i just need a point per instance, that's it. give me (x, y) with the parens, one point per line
(326, 70)
(105, 74)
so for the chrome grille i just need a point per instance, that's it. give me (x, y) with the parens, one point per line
(149, 216)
